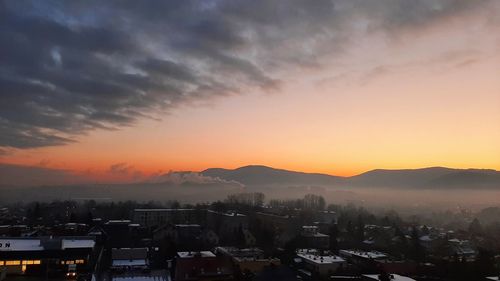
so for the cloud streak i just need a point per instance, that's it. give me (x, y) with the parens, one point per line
(72, 67)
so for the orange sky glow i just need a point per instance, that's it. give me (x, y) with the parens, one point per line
(430, 97)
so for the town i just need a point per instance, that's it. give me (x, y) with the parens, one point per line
(243, 237)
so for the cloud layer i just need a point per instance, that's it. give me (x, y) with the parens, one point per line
(69, 67)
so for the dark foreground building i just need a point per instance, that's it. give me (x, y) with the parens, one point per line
(46, 256)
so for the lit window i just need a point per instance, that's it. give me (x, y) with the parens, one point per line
(12, 262)
(36, 262)
(1, 263)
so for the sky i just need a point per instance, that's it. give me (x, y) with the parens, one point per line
(125, 90)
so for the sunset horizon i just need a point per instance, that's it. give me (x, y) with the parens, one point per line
(249, 140)
(346, 89)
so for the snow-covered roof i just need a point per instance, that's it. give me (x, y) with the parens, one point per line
(15, 244)
(140, 278)
(364, 254)
(321, 259)
(203, 254)
(426, 238)
(35, 244)
(77, 243)
(162, 210)
(138, 262)
(395, 277)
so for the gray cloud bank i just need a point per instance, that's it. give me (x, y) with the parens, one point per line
(68, 67)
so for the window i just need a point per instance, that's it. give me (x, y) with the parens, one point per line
(13, 262)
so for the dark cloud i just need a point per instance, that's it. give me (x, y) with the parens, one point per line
(73, 66)
(120, 168)
(124, 169)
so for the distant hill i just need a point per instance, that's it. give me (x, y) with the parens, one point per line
(434, 177)
(262, 175)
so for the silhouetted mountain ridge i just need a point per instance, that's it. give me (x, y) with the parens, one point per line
(432, 177)
(262, 175)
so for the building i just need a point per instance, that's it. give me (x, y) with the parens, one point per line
(45, 255)
(186, 236)
(357, 256)
(202, 265)
(312, 238)
(278, 221)
(285, 226)
(367, 260)
(391, 277)
(157, 217)
(374, 260)
(129, 259)
(329, 217)
(313, 263)
(462, 248)
(226, 222)
(122, 234)
(248, 259)
(157, 275)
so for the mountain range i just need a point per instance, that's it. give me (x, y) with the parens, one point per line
(433, 177)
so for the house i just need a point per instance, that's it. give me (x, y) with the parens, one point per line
(202, 265)
(247, 259)
(121, 233)
(329, 217)
(129, 259)
(462, 248)
(312, 238)
(374, 260)
(314, 263)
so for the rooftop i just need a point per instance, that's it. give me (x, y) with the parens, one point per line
(364, 254)
(124, 263)
(129, 253)
(313, 256)
(77, 243)
(41, 243)
(202, 254)
(161, 210)
(394, 277)
(228, 214)
(140, 278)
